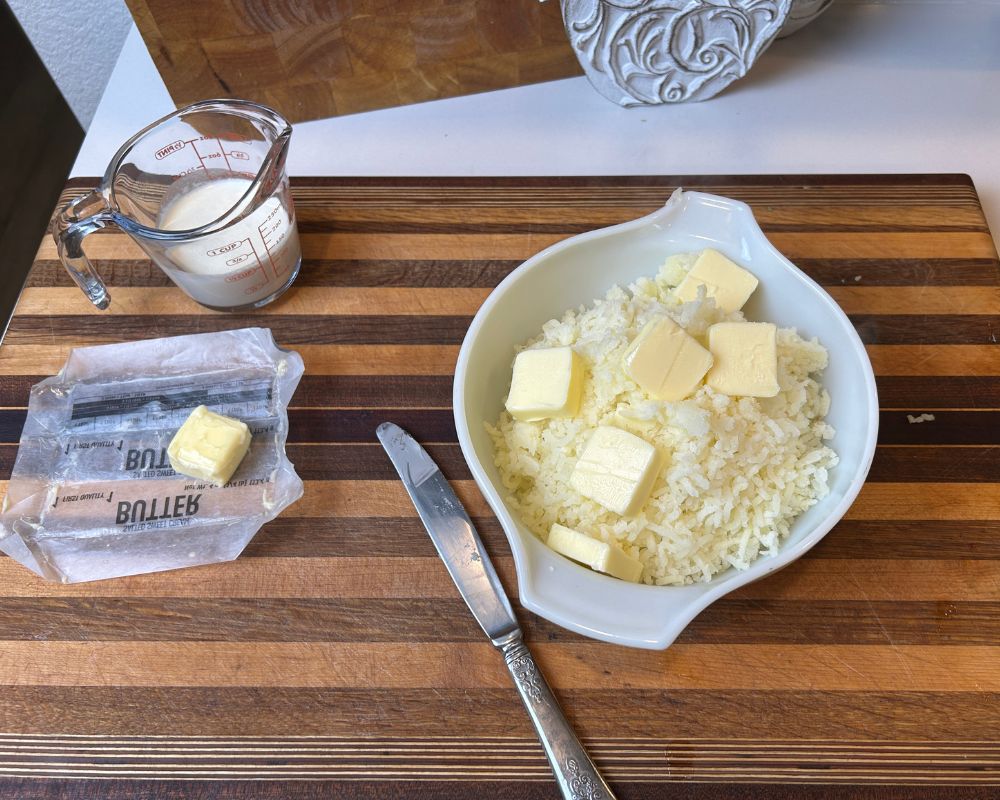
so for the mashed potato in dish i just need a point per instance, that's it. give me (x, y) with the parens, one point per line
(732, 472)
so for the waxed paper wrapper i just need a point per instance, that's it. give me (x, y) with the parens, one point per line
(92, 494)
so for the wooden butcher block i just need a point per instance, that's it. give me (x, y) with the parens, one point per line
(335, 658)
(320, 58)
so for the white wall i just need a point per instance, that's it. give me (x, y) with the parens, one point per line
(79, 42)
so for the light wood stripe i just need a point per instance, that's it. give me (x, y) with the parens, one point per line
(322, 359)
(930, 359)
(909, 300)
(848, 580)
(877, 501)
(312, 300)
(402, 359)
(523, 246)
(477, 666)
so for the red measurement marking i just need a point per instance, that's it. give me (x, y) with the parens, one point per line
(194, 146)
(263, 238)
(259, 261)
(223, 151)
(238, 276)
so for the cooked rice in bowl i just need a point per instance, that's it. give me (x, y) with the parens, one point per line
(736, 471)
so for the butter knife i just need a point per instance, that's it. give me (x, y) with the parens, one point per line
(462, 551)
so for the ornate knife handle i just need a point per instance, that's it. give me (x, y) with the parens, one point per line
(576, 774)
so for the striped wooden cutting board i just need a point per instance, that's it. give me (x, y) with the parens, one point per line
(337, 650)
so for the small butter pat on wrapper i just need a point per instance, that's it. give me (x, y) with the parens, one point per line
(665, 361)
(746, 359)
(724, 280)
(209, 446)
(547, 382)
(616, 469)
(598, 555)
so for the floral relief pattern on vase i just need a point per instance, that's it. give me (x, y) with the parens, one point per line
(639, 52)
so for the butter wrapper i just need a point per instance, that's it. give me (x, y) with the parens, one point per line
(92, 494)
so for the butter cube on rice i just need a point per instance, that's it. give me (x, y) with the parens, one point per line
(616, 469)
(601, 556)
(724, 280)
(547, 382)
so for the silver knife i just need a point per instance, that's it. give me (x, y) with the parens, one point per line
(462, 551)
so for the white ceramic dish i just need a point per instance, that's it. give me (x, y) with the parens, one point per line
(581, 269)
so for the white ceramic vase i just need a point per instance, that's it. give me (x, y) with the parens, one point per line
(647, 52)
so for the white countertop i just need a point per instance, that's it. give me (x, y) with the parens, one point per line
(904, 86)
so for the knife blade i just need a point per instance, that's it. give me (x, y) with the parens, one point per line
(452, 531)
(461, 549)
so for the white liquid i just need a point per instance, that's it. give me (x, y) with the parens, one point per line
(241, 264)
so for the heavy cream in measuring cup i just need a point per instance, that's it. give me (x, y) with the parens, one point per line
(248, 261)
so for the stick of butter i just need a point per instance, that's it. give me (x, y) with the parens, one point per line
(665, 361)
(209, 446)
(746, 358)
(726, 281)
(594, 553)
(547, 382)
(616, 469)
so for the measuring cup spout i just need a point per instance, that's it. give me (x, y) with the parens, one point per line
(81, 217)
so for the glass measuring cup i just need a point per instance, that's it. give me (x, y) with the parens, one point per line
(204, 193)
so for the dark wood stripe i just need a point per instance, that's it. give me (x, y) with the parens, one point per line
(892, 464)
(947, 427)
(355, 391)
(292, 329)
(955, 391)
(927, 329)
(315, 272)
(448, 620)
(395, 226)
(901, 271)
(357, 426)
(935, 465)
(910, 539)
(905, 183)
(405, 536)
(488, 273)
(277, 711)
(123, 789)
(288, 329)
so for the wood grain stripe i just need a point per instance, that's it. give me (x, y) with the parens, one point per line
(918, 580)
(458, 301)
(447, 620)
(487, 273)
(960, 668)
(877, 501)
(402, 359)
(280, 711)
(914, 394)
(295, 330)
(396, 359)
(523, 246)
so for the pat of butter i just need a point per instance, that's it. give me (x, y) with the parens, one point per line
(665, 361)
(727, 282)
(594, 553)
(547, 382)
(209, 446)
(746, 359)
(616, 469)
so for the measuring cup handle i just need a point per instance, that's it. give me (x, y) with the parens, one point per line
(72, 225)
